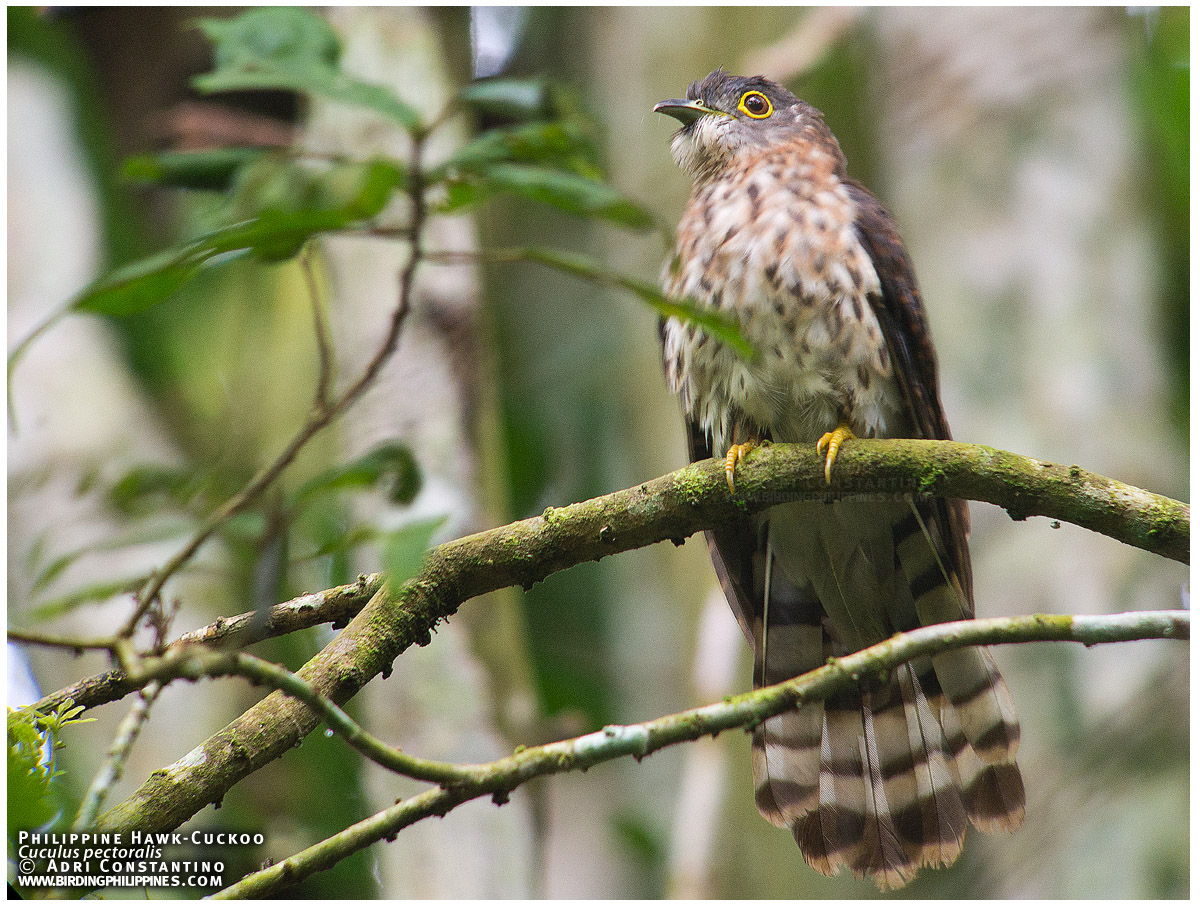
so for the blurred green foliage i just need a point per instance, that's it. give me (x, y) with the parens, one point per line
(35, 799)
(1160, 79)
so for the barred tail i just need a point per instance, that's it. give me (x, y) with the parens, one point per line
(884, 778)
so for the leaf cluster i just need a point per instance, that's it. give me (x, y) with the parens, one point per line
(273, 201)
(33, 799)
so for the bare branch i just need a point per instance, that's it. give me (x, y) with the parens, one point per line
(337, 606)
(192, 661)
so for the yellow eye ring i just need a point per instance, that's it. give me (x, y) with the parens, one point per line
(756, 105)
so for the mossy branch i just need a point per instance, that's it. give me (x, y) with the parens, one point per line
(500, 778)
(671, 507)
(335, 606)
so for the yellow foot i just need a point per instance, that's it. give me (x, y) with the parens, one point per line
(833, 441)
(736, 455)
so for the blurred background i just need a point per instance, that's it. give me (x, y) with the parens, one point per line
(1037, 163)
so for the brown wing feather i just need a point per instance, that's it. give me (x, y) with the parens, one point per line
(901, 316)
(732, 549)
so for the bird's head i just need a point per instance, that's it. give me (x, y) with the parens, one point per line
(724, 116)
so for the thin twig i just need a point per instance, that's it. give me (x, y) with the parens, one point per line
(118, 753)
(500, 778)
(337, 605)
(61, 642)
(195, 662)
(321, 331)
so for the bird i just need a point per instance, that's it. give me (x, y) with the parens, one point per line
(883, 778)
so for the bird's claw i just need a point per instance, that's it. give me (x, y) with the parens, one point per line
(833, 441)
(737, 453)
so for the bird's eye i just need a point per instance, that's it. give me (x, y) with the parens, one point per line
(756, 105)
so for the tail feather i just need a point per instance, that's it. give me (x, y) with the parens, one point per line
(787, 764)
(982, 703)
(786, 748)
(883, 855)
(993, 793)
(938, 806)
(895, 791)
(884, 778)
(968, 677)
(833, 834)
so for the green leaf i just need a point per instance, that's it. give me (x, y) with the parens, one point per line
(713, 322)
(341, 543)
(34, 797)
(391, 464)
(562, 143)
(139, 285)
(213, 169)
(462, 193)
(292, 204)
(361, 189)
(569, 192)
(93, 593)
(145, 487)
(279, 34)
(511, 99)
(159, 531)
(291, 49)
(32, 801)
(247, 528)
(56, 567)
(404, 549)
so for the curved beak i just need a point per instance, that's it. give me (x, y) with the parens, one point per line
(685, 111)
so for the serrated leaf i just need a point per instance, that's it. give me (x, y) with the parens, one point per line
(568, 192)
(513, 99)
(32, 801)
(404, 549)
(213, 169)
(291, 49)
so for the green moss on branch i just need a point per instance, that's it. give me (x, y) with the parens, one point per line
(671, 507)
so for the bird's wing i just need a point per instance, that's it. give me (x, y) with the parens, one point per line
(901, 316)
(931, 543)
(734, 548)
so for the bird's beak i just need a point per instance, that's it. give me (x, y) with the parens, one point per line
(686, 112)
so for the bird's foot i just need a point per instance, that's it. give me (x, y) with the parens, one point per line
(832, 441)
(737, 453)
